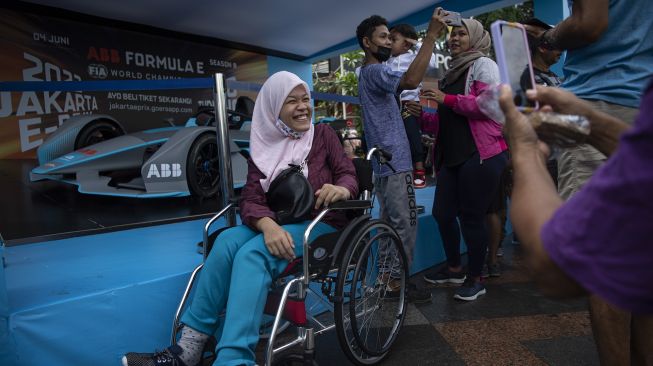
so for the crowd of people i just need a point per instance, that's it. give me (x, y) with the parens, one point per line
(598, 243)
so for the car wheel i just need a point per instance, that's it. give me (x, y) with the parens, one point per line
(202, 173)
(97, 131)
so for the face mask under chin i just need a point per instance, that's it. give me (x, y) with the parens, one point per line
(382, 54)
(287, 131)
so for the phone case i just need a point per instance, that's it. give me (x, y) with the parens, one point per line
(499, 50)
(455, 18)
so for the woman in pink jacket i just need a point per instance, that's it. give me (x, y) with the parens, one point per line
(470, 156)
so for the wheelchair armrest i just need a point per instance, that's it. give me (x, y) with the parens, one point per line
(212, 220)
(351, 205)
(340, 205)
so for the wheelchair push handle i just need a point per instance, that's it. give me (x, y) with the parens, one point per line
(382, 156)
(386, 156)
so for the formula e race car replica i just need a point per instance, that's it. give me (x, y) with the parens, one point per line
(94, 153)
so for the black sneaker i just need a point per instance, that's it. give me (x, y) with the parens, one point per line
(390, 288)
(494, 270)
(167, 357)
(418, 295)
(445, 276)
(485, 272)
(470, 290)
(413, 294)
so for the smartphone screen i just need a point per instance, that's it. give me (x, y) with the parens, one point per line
(514, 61)
(454, 19)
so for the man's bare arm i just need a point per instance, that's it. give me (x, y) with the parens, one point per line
(588, 21)
(415, 73)
(605, 130)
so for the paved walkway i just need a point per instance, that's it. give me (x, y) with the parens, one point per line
(513, 324)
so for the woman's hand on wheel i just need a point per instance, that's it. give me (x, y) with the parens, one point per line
(277, 240)
(330, 193)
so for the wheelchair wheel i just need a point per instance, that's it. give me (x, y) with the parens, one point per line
(370, 293)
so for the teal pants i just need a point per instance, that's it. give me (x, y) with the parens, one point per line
(236, 277)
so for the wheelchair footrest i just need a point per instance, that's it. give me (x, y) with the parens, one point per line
(294, 311)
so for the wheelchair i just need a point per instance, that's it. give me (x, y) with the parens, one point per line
(358, 273)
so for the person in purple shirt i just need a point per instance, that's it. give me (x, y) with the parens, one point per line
(600, 242)
(245, 259)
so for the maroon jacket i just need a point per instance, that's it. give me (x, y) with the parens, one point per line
(327, 163)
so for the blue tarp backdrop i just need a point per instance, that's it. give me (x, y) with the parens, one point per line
(89, 299)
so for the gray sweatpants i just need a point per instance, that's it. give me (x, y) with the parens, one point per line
(397, 204)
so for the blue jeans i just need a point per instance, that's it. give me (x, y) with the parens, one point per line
(236, 278)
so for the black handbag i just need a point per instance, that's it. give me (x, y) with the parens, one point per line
(290, 196)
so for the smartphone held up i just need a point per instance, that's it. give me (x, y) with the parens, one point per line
(516, 69)
(453, 19)
(514, 61)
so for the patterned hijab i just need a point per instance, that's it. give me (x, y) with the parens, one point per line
(274, 145)
(480, 43)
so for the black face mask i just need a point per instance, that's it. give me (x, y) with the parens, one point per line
(382, 53)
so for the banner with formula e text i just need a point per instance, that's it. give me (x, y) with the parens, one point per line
(41, 48)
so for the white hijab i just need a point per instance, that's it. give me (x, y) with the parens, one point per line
(270, 148)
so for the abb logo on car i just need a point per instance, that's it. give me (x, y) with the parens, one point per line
(89, 152)
(164, 170)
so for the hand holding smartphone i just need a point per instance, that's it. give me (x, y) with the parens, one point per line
(428, 86)
(515, 69)
(514, 61)
(437, 25)
(453, 19)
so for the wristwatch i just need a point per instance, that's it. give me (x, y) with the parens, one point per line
(547, 39)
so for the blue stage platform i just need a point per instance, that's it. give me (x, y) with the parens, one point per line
(89, 299)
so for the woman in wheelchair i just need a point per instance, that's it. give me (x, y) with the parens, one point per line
(245, 259)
